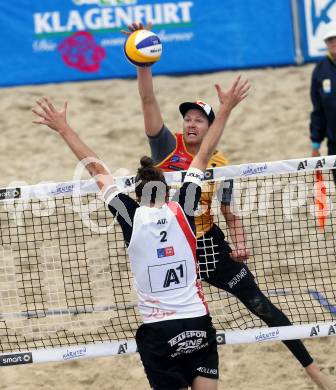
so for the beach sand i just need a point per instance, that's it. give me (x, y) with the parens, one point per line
(272, 124)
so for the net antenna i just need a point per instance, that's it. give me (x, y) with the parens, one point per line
(65, 282)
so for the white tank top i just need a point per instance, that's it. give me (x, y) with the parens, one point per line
(162, 252)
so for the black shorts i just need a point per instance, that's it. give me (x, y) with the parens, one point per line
(175, 352)
(216, 266)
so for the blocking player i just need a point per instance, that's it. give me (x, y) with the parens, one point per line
(176, 342)
(220, 264)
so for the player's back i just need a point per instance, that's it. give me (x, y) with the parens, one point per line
(162, 255)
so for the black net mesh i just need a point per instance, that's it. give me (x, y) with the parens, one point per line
(65, 278)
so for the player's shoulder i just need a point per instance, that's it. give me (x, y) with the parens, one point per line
(218, 160)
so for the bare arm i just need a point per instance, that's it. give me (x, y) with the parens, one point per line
(237, 234)
(56, 120)
(228, 100)
(150, 107)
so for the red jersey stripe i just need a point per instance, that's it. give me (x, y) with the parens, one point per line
(191, 238)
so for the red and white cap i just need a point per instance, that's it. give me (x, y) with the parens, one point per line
(198, 105)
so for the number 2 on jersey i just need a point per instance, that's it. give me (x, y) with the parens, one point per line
(163, 235)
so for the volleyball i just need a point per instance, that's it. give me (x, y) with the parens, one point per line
(143, 48)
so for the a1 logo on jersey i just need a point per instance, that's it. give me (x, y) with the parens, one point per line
(168, 276)
(165, 252)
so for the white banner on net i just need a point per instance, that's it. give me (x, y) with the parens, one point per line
(84, 187)
(129, 346)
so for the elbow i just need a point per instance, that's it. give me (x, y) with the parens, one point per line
(147, 99)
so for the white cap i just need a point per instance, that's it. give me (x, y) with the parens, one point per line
(331, 32)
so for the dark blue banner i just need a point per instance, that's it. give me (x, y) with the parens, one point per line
(51, 41)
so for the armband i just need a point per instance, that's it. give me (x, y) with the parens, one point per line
(194, 175)
(111, 191)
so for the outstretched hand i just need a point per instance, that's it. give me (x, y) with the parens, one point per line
(136, 26)
(48, 115)
(233, 96)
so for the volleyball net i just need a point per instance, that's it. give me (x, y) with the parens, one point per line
(65, 282)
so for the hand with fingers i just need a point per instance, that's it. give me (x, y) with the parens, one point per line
(233, 96)
(48, 115)
(136, 26)
(240, 254)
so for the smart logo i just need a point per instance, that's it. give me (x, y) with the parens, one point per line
(16, 358)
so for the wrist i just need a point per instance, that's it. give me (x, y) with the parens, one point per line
(224, 110)
(144, 70)
(64, 129)
(240, 245)
(316, 145)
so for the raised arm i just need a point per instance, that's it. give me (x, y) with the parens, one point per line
(227, 100)
(150, 107)
(57, 120)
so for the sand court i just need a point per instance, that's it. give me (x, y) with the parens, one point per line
(272, 124)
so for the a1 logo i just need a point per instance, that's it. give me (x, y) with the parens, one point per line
(172, 276)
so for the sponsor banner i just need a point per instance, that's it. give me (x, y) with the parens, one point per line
(10, 193)
(69, 353)
(277, 333)
(14, 359)
(129, 346)
(49, 190)
(262, 169)
(316, 17)
(50, 41)
(126, 183)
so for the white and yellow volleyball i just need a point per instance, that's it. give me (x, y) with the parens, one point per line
(143, 48)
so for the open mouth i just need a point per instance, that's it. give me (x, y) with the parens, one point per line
(192, 133)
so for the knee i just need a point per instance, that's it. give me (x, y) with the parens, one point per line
(263, 308)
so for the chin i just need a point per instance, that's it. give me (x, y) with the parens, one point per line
(192, 140)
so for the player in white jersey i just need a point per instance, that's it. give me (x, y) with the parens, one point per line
(164, 268)
(176, 342)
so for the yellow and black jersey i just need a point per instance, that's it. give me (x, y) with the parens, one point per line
(179, 160)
